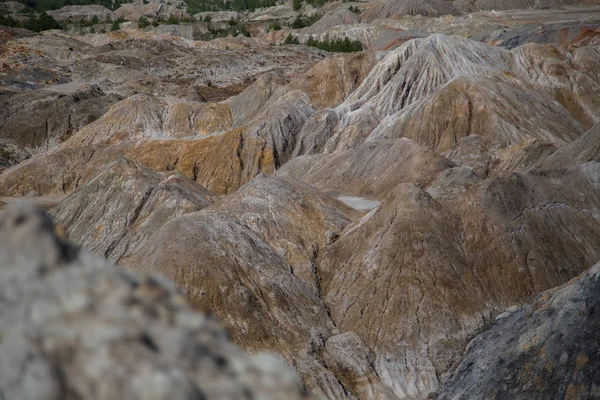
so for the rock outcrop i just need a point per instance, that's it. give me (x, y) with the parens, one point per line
(60, 111)
(474, 5)
(330, 81)
(330, 20)
(114, 213)
(371, 169)
(153, 9)
(154, 118)
(499, 108)
(219, 16)
(224, 262)
(397, 9)
(545, 350)
(72, 325)
(363, 215)
(413, 266)
(82, 13)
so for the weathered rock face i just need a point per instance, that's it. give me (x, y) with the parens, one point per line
(225, 267)
(134, 62)
(474, 182)
(153, 9)
(371, 170)
(549, 68)
(546, 350)
(82, 13)
(586, 149)
(330, 81)
(73, 325)
(31, 61)
(219, 16)
(496, 107)
(265, 14)
(256, 218)
(220, 163)
(484, 86)
(297, 220)
(12, 6)
(417, 69)
(414, 267)
(142, 124)
(153, 118)
(59, 110)
(116, 211)
(328, 21)
(473, 5)
(396, 9)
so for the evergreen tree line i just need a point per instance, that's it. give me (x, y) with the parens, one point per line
(47, 5)
(339, 45)
(196, 6)
(37, 23)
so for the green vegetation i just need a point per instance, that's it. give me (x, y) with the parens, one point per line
(92, 22)
(291, 39)
(196, 6)
(354, 9)
(317, 3)
(41, 22)
(47, 5)
(274, 26)
(215, 32)
(344, 45)
(143, 22)
(303, 22)
(297, 4)
(116, 24)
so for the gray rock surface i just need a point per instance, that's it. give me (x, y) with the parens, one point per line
(219, 16)
(74, 326)
(474, 183)
(59, 110)
(82, 13)
(114, 213)
(396, 9)
(251, 260)
(546, 350)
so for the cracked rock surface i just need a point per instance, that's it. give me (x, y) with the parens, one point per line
(365, 216)
(75, 326)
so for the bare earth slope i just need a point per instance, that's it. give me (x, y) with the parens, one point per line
(75, 326)
(524, 355)
(363, 215)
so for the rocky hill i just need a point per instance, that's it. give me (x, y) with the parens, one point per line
(75, 326)
(416, 220)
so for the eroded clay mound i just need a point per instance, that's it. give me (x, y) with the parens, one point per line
(73, 325)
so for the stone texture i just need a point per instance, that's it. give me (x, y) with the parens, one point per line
(74, 326)
(415, 268)
(223, 266)
(82, 13)
(545, 350)
(474, 182)
(330, 81)
(60, 111)
(371, 169)
(114, 213)
(396, 9)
